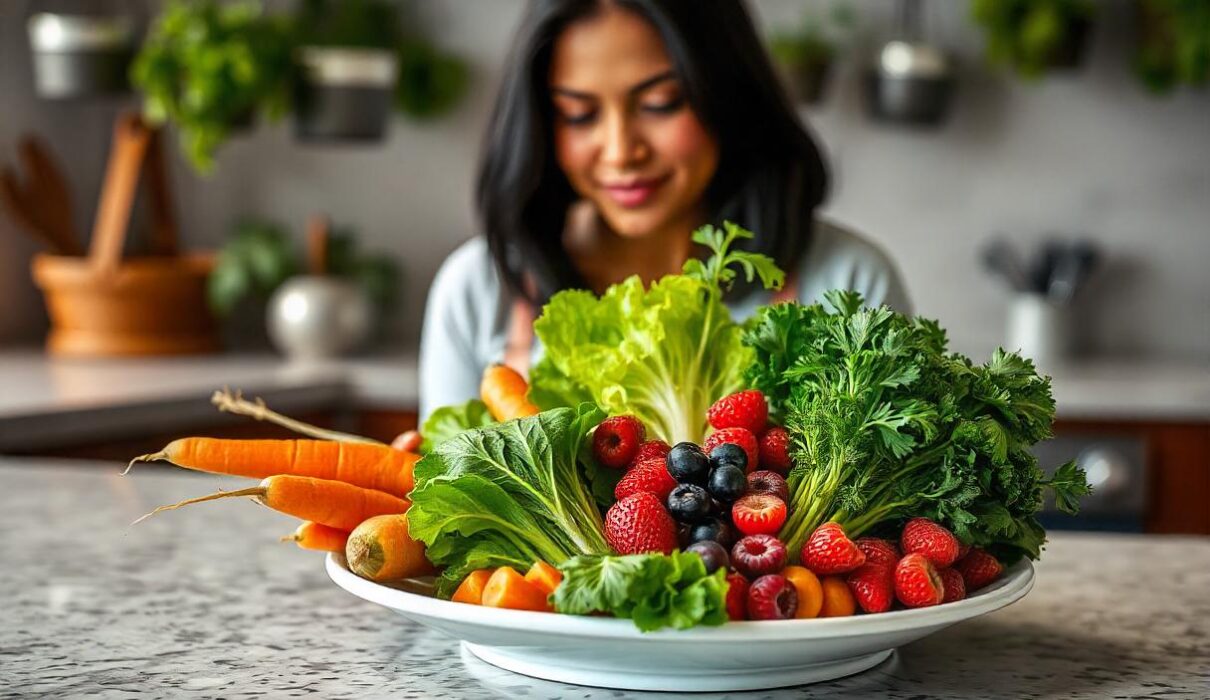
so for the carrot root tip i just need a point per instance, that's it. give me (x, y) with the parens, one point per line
(256, 492)
(153, 457)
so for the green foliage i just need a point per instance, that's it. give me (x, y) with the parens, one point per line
(662, 354)
(1174, 45)
(509, 494)
(654, 590)
(814, 42)
(1026, 35)
(207, 66)
(368, 24)
(448, 421)
(431, 82)
(377, 274)
(886, 425)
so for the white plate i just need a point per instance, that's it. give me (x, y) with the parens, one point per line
(611, 653)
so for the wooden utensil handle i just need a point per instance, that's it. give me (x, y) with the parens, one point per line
(318, 239)
(163, 216)
(130, 141)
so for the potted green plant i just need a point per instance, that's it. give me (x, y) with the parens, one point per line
(1173, 44)
(209, 68)
(910, 80)
(1035, 36)
(81, 55)
(805, 56)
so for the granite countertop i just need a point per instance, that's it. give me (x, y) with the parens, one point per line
(206, 602)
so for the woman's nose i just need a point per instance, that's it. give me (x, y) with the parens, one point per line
(622, 144)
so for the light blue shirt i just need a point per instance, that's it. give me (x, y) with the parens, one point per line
(466, 317)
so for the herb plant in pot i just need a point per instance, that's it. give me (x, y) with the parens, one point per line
(805, 57)
(348, 67)
(81, 51)
(1035, 36)
(209, 68)
(1173, 44)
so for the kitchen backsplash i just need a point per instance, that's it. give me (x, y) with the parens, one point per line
(1086, 154)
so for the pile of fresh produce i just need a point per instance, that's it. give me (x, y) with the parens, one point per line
(670, 466)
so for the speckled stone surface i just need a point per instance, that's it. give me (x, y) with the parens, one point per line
(205, 602)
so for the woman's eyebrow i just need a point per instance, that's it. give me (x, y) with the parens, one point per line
(637, 88)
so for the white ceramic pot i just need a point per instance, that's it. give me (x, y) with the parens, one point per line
(314, 317)
(1039, 329)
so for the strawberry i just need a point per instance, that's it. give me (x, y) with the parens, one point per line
(955, 587)
(735, 436)
(650, 476)
(873, 585)
(775, 450)
(963, 549)
(878, 550)
(737, 596)
(616, 441)
(638, 524)
(746, 409)
(651, 449)
(937, 544)
(917, 584)
(978, 569)
(758, 514)
(829, 551)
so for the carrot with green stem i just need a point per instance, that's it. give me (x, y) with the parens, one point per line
(333, 503)
(321, 538)
(369, 466)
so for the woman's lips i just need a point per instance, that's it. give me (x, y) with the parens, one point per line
(633, 193)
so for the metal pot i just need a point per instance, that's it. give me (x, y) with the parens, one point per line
(80, 55)
(314, 317)
(911, 83)
(344, 94)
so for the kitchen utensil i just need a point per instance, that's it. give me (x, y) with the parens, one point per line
(41, 204)
(999, 257)
(612, 653)
(911, 81)
(1074, 266)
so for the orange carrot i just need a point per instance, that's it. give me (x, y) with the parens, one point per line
(333, 503)
(508, 589)
(369, 466)
(382, 549)
(321, 538)
(503, 390)
(471, 588)
(546, 577)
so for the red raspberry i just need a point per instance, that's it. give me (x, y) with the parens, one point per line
(772, 483)
(650, 476)
(954, 586)
(937, 544)
(829, 551)
(775, 450)
(873, 585)
(917, 584)
(737, 596)
(758, 514)
(736, 436)
(638, 524)
(651, 449)
(746, 409)
(878, 550)
(772, 597)
(978, 569)
(616, 441)
(963, 549)
(757, 555)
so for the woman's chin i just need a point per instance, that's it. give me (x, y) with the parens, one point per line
(635, 223)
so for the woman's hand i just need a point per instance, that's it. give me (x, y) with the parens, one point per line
(408, 441)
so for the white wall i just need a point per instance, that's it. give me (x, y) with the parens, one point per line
(1089, 154)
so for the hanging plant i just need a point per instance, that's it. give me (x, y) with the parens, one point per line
(1034, 36)
(805, 56)
(210, 68)
(1174, 44)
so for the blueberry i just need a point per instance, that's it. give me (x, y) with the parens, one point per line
(727, 482)
(687, 464)
(713, 530)
(689, 503)
(729, 453)
(713, 555)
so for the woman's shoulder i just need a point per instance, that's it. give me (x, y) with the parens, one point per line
(835, 244)
(468, 272)
(840, 257)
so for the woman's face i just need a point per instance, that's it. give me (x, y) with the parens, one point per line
(625, 135)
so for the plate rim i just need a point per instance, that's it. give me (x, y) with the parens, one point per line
(1016, 582)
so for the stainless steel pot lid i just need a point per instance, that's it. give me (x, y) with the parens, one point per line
(51, 33)
(903, 59)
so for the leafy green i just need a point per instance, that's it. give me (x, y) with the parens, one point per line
(509, 493)
(1027, 35)
(654, 590)
(1174, 44)
(885, 425)
(449, 421)
(662, 354)
(254, 262)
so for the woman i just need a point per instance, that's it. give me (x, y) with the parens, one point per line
(621, 126)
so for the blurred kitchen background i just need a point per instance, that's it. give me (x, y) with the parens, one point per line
(1057, 201)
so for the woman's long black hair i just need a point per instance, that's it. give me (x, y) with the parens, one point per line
(770, 176)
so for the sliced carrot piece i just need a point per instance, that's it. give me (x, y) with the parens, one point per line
(508, 589)
(471, 588)
(809, 589)
(546, 577)
(838, 600)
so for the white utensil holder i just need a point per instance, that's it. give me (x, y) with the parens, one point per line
(1039, 329)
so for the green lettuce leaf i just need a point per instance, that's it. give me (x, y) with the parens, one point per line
(448, 421)
(653, 590)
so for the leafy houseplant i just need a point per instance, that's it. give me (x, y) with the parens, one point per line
(209, 67)
(805, 56)
(1033, 36)
(1174, 44)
